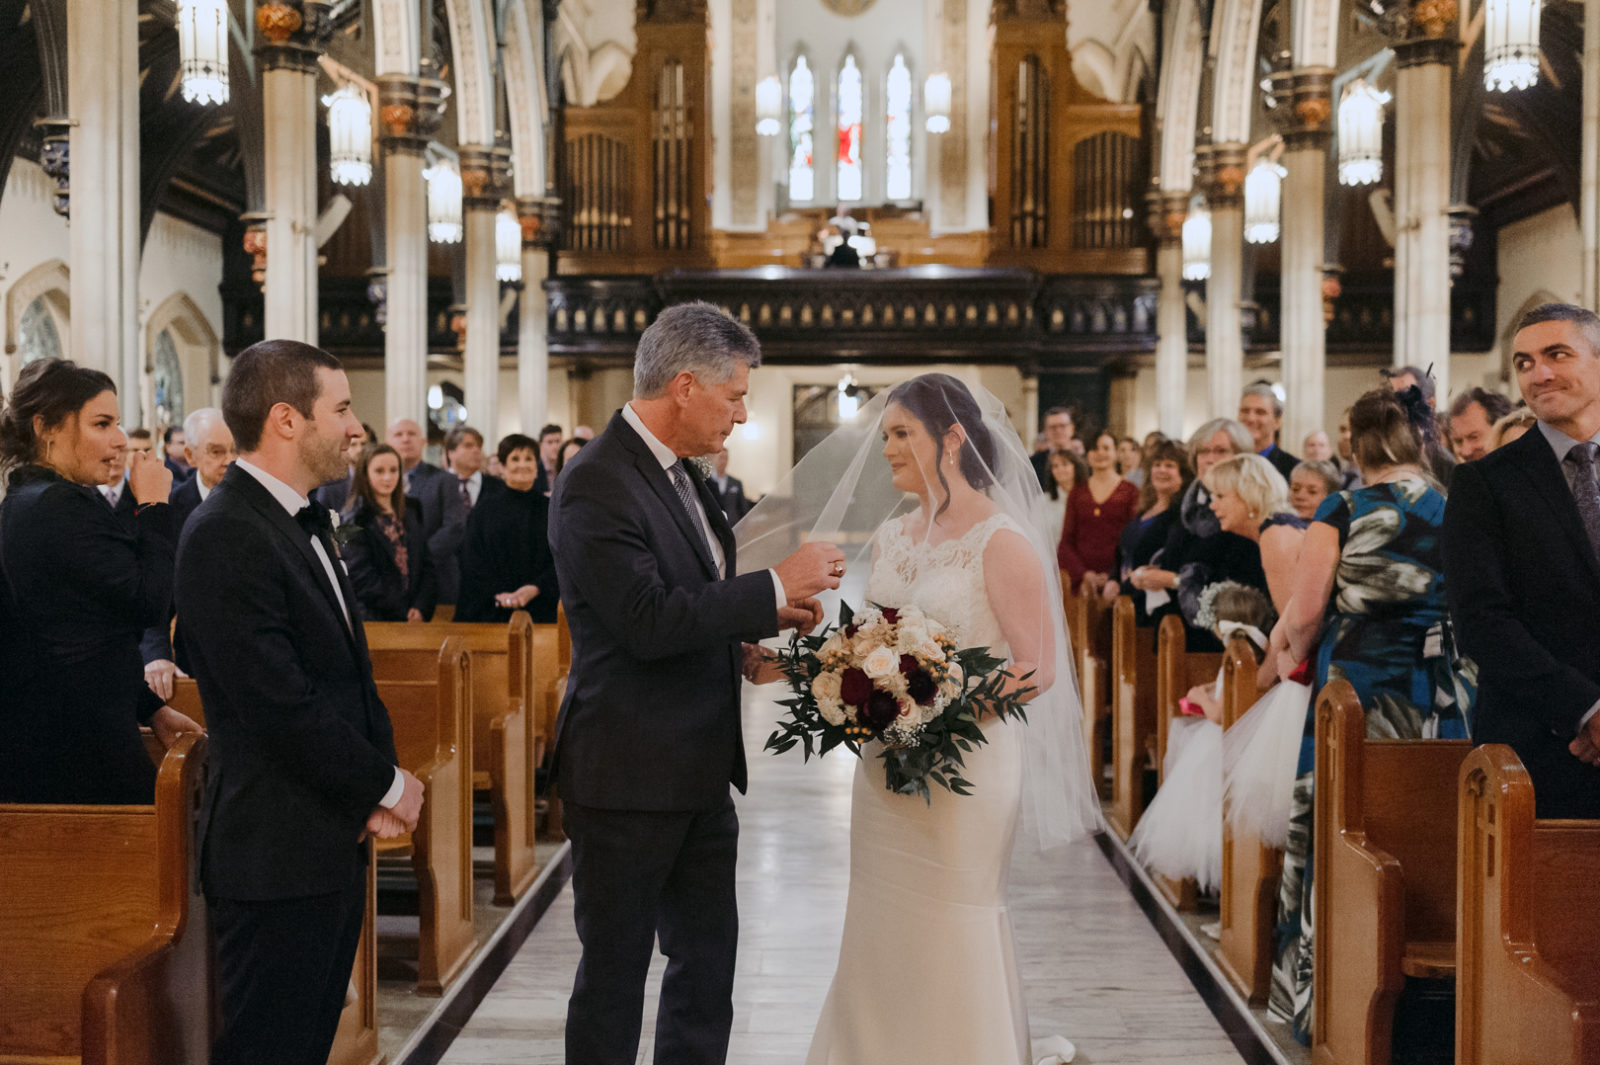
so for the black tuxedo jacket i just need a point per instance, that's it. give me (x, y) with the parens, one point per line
(301, 746)
(382, 594)
(157, 644)
(1524, 589)
(651, 716)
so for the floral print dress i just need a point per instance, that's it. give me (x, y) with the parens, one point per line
(1387, 633)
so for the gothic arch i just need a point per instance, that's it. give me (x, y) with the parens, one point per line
(525, 94)
(472, 43)
(1237, 25)
(199, 351)
(1095, 68)
(1179, 94)
(52, 282)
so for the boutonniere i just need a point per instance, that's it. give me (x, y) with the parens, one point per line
(341, 533)
(702, 466)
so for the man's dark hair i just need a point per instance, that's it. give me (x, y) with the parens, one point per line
(547, 430)
(1494, 404)
(454, 438)
(266, 374)
(1053, 411)
(1586, 320)
(516, 442)
(166, 436)
(138, 434)
(1423, 378)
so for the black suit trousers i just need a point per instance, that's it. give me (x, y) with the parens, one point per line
(283, 966)
(639, 875)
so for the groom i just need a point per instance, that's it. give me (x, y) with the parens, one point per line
(649, 736)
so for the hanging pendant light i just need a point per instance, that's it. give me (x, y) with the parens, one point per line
(1361, 134)
(203, 50)
(1197, 244)
(444, 201)
(769, 105)
(1263, 197)
(507, 247)
(349, 135)
(1511, 44)
(936, 101)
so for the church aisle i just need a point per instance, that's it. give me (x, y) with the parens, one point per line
(1093, 967)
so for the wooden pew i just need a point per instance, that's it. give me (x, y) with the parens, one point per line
(1176, 672)
(555, 692)
(1133, 715)
(1250, 870)
(1089, 624)
(104, 956)
(1527, 976)
(433, 736)
(505, 726)
(1384, 859)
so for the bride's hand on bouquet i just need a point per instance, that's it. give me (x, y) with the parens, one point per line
(803, 616)
(760, 665)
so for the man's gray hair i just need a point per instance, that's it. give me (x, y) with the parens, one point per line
(199, 420)
(1264, 390)
(1586, 320)
(695, 337)
(1238, 434)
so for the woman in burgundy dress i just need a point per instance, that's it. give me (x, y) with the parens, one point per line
(1097, 510)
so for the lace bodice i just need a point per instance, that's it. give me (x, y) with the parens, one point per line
(945, 580)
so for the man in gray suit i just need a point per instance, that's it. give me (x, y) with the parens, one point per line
(649, 734)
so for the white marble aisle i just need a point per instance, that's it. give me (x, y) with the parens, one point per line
(1094, 969)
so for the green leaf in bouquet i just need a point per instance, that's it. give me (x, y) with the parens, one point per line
(846, 615)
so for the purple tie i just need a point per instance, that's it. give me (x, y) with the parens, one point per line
(466, 495)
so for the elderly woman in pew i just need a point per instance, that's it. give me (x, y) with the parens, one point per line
(81, 588)
(384, 548)
(506, 563)
(1167, 478)
(1368, 606)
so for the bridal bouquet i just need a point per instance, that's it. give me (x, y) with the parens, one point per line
(893, 675)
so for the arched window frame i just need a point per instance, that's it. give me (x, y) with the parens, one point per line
(800, 126)
(850, 188)
(892, 194)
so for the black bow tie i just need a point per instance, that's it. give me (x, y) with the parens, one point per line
(316, 520)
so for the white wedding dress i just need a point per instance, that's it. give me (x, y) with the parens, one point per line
(927, 967)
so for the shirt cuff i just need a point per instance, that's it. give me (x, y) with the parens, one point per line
(1584, 720)
(783, 598)
(391, 798)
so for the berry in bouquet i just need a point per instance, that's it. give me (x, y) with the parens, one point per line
(894, 675)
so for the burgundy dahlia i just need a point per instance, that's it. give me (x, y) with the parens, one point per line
(881, 710)
(921, 688)
(855, 687)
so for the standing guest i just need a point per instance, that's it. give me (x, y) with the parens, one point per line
(1368, 607)
(492, 467)
(140, 441)
(1401, 378)
(1350, 473)
(1067, 471)
(549, 449)
(583, 432)
(1521, 539)
(336, 493)
(1144, 537)
(1472, 417)
(1261, 412)
(387, 554)
(172, 443)
(570, 450)
(116, 492)
(1059, 433)
(728, 490)
(1512, 427)
(408, 441)
(1311, 483)
(303, 763)
(1438, 462)
(209, 450)
(1130, 461)
(506, 563)
(1097, 509)
(446, 502)
(1317, 447)
(82, 586)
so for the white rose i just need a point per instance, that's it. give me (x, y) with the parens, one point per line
(832, 711)
(881, 662)
(826, 686)
(910, 713)
(929, 651)
(912, 636)
(866, 643)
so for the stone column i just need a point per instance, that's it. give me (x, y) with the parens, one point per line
(103, 153)
(539, 216)
(1421, 207)
(1305, 101)
(409, 113)
(1224, 176)
(484, 171)
(1172, 320)
(294, 36)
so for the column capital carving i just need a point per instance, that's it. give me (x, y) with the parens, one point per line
(1304, 106)
(1422, 51)
(410, 110)
(540, 218)
(294, 33)
(1421, 20)
(1168, 211)
(1222, 174)
(485, 176)
(55, 157)
(255, 246)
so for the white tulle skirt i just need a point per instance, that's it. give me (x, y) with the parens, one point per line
(1259, 756)
(1180, 834)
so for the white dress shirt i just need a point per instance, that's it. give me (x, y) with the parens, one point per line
(205, 490)
(474, 486)
(667, 457)
(293, 501)
(1561, 444)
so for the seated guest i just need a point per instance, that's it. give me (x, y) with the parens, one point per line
(506, 563)
(1097, 509)
(1311, 483)
(1250, 500)
(1368, 606)
(385, 552)
(1472, 417)
(1261, 413)
(1512, 427)
(1144, 537)
(1067, 470)
(447, 501)
(83, 586)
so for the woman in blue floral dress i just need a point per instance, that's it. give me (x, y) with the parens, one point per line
(1369, 608)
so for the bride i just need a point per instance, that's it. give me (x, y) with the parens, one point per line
(952, 520)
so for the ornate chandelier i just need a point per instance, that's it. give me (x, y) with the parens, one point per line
(349, 135)
(1361, 134)
(507, 247)
(769, 105)
(1263, 198)
(203, 50)
(444, 201)
(1511, 44)
(936, 99)
(1197, 244)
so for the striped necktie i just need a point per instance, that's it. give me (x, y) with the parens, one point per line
(1579, 467)
(685, 489)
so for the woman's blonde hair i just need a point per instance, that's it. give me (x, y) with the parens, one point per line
(1254, 480)
(1521, 418)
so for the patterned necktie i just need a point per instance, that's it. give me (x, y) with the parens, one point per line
(1579, 468)
(685, 490)
(466, 495)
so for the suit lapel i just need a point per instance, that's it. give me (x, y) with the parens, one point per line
(719, 520)
(1544, 473)
(660, 482)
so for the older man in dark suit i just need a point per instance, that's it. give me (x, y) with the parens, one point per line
(1522, 567)
(303, 764)
(649, 734)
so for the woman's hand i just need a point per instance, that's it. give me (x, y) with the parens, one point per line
(1093, 582)
(1110, 590)
(413, 616)
(1204, 696)
(518, 599)
(1151, 579)
(168, 725)
(148, 478)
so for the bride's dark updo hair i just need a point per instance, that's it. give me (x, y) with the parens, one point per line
(940, 402)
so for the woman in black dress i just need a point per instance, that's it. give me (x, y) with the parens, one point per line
(1166, 480)
(506, 563)
(81, 586)
(384, 549)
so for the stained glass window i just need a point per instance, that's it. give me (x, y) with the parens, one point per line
(897, 120)
(168, 374)
(849, 131)
(37, 337)
(802, 95)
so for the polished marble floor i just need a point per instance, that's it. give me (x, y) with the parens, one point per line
(1093, 967)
